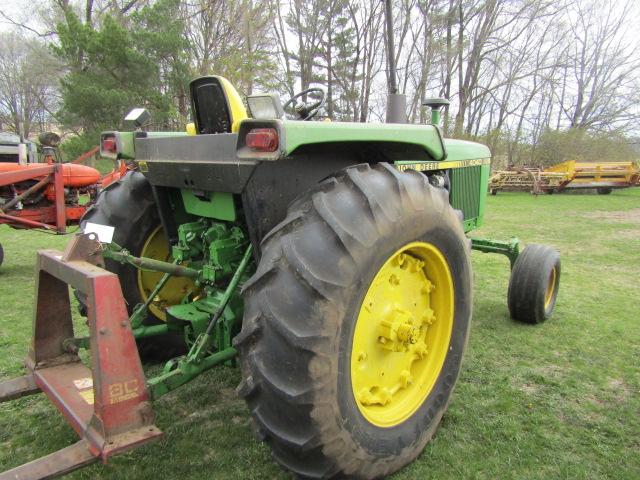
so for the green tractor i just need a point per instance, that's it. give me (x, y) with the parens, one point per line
(349, 242)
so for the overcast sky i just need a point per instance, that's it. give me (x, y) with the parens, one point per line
(21, 11)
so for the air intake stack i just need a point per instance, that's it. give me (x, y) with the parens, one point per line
(396, 102)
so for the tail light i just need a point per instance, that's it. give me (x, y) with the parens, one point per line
(262, 139)
(109, 145)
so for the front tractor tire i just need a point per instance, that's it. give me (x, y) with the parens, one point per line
(355, 324)
(534, 283)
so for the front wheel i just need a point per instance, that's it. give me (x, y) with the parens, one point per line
(534, 283)
(355, 324)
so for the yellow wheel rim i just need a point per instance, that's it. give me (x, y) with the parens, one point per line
(551, 287)
(157, 247)
(402, 334)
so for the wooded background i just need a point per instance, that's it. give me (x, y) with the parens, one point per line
(538, 81)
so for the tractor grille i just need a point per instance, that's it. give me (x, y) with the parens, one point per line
(465, 190)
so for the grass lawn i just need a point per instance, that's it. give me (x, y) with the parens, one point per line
(557, 400)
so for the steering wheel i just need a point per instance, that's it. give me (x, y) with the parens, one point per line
(306, 111)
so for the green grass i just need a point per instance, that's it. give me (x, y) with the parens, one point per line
(557, 400)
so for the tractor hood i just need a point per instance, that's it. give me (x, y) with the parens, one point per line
(299, 133)
(465, 150)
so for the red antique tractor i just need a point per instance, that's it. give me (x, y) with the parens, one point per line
(50, 195)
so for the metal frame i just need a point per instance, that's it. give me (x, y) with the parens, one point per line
(108, 405)
(509, 248)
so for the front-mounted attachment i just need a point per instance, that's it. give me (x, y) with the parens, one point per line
(107, 404)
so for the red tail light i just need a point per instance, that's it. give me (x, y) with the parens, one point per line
(262, 139)
(109, 145)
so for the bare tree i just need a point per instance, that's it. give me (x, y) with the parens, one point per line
(232, 38)
(28, 82)
(604, 90)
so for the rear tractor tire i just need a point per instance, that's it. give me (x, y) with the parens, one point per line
(355, 324)
(534, 283)
(129, 206)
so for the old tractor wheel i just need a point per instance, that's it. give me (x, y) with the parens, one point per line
(534, 283)
(128, 205)
(355, 324)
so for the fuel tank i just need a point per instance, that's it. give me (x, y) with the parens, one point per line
(74, 175)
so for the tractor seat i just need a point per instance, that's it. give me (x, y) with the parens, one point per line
(216, 105)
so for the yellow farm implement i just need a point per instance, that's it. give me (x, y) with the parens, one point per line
(602, 176)
(532, 180)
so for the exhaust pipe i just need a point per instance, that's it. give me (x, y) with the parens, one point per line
(396, 102)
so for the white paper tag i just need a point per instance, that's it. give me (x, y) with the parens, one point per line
(83, 383)
(104, 232)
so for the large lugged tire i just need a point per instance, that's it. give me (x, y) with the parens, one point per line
(344, 293)
(534, 283)
(129, 206)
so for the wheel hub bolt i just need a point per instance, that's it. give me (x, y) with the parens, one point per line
(398, 331)
(408, 333)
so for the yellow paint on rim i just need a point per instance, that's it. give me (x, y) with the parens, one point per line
(551, 287)
(402, 334)
(157, 247)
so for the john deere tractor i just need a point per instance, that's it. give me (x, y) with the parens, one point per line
(330, 259)
(356, 296)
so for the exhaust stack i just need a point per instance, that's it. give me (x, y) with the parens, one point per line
(396, 102)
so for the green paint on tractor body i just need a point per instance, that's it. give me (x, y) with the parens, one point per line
(299, 134)
(467, 163)
(217, 205)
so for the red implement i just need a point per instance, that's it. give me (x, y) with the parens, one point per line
(73, 175)
(50, 176)
(107, 404)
